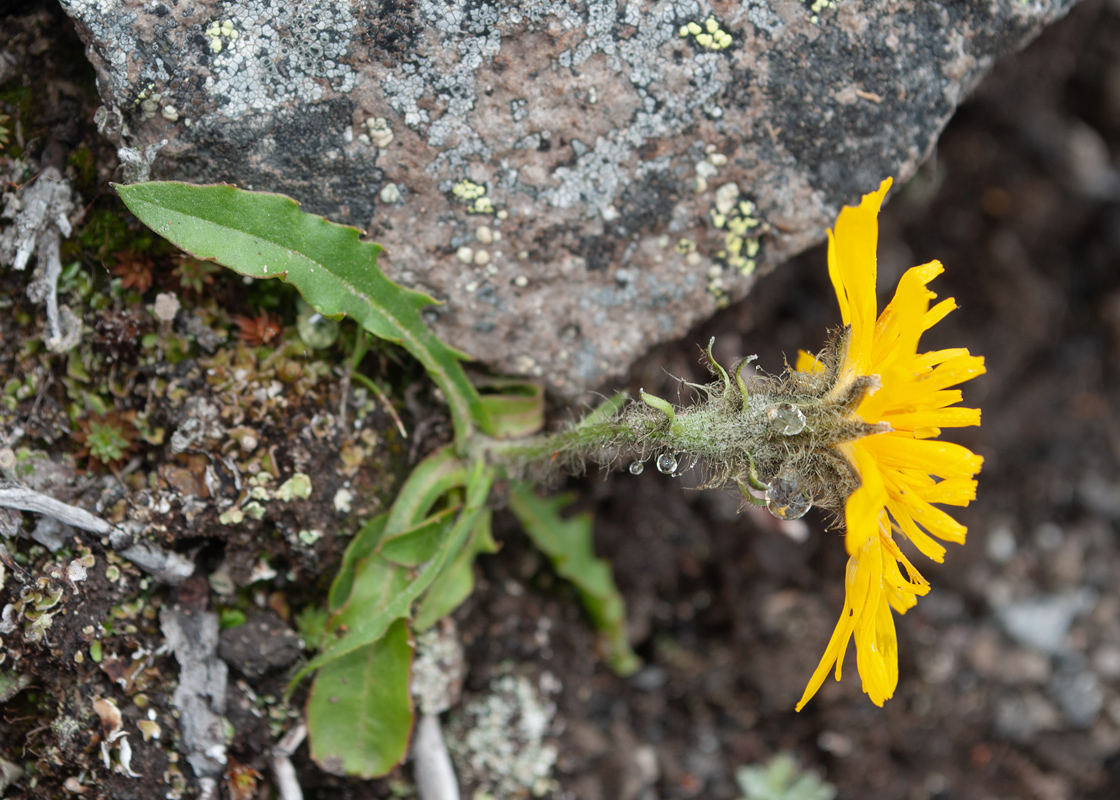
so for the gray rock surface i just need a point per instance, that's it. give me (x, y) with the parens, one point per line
(578, 180)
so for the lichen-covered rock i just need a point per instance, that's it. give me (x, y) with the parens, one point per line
(578, 179)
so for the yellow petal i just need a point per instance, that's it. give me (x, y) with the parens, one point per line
(926, 544)
(932, 518)
(934, 418)
(852, 267)
(861, 512)
(945, 459)
(953, 371)
(951, 491)
(938, 313)
(837, 645)
(934, 357)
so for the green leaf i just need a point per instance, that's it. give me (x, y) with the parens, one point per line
(265, 235)
(515, 408)
(383, 592)
(359, 713)
(363, 543)
(419, 543)
(432, 477)
(378, 585)
(457, 582)
(568, 544)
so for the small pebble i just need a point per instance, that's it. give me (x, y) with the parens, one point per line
(705, 169)
(166, 306)
(521, 281)
(484, 234)
(390, 193)
(465, 254)
(482, 258)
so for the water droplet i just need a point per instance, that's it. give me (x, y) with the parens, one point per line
(666, 464)
(637, 468)
(786, 498)
(786, 419)
(315, 330)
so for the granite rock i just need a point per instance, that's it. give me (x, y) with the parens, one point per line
(577, 179)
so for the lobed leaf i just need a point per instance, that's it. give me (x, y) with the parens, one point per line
(265, 235)
(568, 544)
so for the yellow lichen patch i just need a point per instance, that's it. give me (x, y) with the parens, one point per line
(217, 30)
(708, 35)
(817, 6)
(473, 196)
(742, 229)
(685, 246)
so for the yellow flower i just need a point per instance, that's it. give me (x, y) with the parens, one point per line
(903, 470)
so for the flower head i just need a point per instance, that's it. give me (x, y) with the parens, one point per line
(905, 398)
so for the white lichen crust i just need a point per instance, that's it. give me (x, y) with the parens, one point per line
(498, 742)
(584, 130)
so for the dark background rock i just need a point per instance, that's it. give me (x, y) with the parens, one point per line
(588, 125)
(263, 643)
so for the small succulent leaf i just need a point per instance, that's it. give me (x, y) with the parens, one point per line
(364, 542)
(265, 235)
(568, 544)
(417, 544)
(780, 779)
(359, 712)
(456, 583)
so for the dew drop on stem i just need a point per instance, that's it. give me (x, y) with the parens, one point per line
(786, 498)
(637, 468)
(666, 464)
(786, 419)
